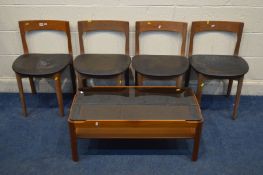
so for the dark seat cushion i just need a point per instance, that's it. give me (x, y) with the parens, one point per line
(160, 65)
(102, 64)
(41, 64)
(219, 65)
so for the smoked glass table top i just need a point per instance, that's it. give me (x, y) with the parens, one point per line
(135, 104)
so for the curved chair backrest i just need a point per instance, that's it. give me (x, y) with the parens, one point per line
(33, 25)
(168, 26)
(221, 26)
(103, 25)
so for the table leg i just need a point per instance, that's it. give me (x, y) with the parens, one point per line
(73, 140)
(196, 141)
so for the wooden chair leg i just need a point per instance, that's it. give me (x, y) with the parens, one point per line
(139, 79)
(73, 78)
(237, 100)
(81, 81)
(120, 79)
(200, 85)
(136, 78)
(229, 88)
(179, 81)
(57, 79)
(196, 142)
(187, 77)
(127, 77)
(73, 140)
(32, 85)
(21, 93)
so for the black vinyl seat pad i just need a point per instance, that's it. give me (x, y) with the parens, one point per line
(160, 65)
(219, 65)
(102, 64)
(41, 64)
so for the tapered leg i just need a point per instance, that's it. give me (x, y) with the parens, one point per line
(136, 78)
(32, 85)
(21, 93)
(238, 93)
(187, 77)
(73, 78)
(179, 81)
(139, 79)
(229, 88)
(127, 77)
(57, 79)
(73, 140)
(81, 82)
(120, 79)
(196, 142)
(200, 85)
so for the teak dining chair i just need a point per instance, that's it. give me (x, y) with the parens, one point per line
(38, 65)
(160, 66)
(231, 67)
(102, 65)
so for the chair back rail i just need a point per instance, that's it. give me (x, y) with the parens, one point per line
(42, 25)
(221, 26)
(168, 26)
(103, 25)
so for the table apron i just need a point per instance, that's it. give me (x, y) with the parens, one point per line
(134, 124)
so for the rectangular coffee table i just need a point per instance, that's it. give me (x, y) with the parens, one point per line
(135, 112)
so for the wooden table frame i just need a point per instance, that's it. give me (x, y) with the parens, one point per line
(139, 129)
